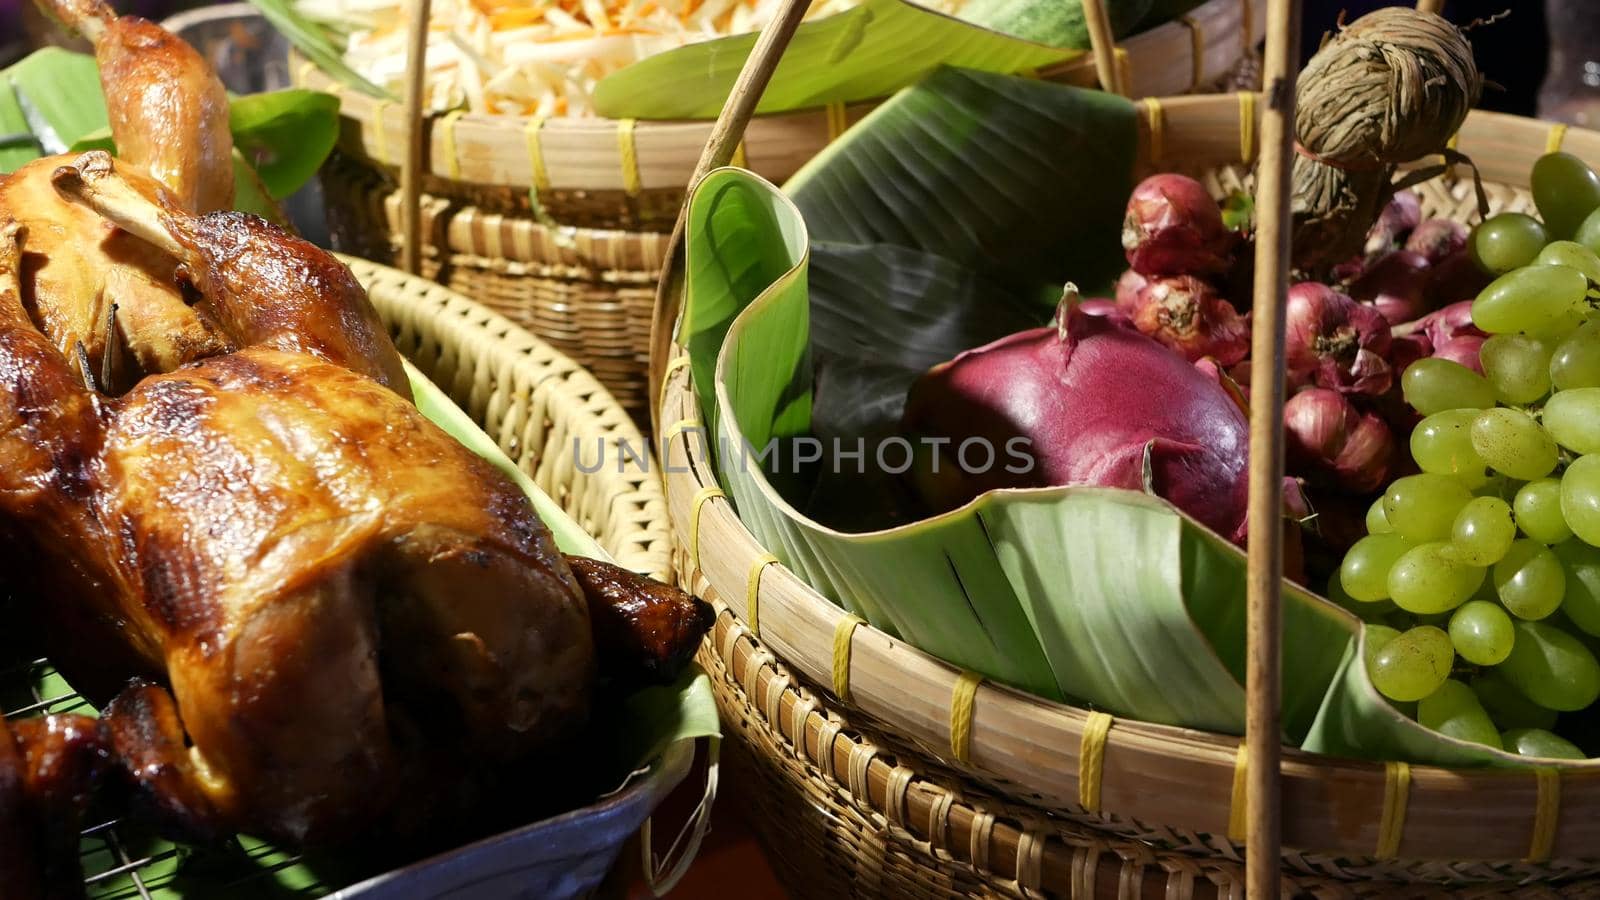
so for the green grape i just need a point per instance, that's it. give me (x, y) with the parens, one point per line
(1455, 711)
(1566, 190)
(1481, 633)
(1377, 523)
(1423, 507)
(1364, 574)
(1581, 564)
(1580, 498)
(1377, 637)
(1413, 665)
(1540, 743)
(1576, 361)
(1507, 241)
(1570, 253)
(1442, 444)
(1589, 232)
(1573, 419)
(1538, 510)
(1483, 531)
(1517, 366)
(1432, 578)
(1510, 441)
(1529, 580)
(1507, 706)
(1535, 299)
(1551, 667)
(1434, 385)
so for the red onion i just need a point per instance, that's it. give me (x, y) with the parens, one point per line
(1436, 239)
(1405, 349)
(1455, 278)
(1442, 325)
(1189, 316)
(1334, 443)
(1335, 342)
(1173, 227)
(1397, 284)
(1464, 350)
(1399, 216)
(1101, 405)
(1128, 288)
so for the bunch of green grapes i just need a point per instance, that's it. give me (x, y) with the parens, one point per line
(1481, 574)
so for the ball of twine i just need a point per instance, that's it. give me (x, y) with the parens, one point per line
(1390, 88)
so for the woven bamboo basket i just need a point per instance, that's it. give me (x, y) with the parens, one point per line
(582, 276)
(878, 770)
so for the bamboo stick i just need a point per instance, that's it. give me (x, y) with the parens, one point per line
(725, 136)
(1102, 43)
(411, 166)
(1263, 732)
(1431, 6)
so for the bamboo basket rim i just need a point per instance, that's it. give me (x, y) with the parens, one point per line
(631, 156)
(1024, 746)
(622, 507)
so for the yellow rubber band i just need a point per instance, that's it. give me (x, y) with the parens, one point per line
(1124, 74)
(1454, 142)
(1558, 133)
(1247, 125)
(630, 156)
(1396, 792)
(842, 633)
(530, 134)
(380, 128)
(752, 591)
(961, 702)
(838, 120)
(695, 505)
(1091, 760)
(447, 133)
(739, 159)
(1546, 812)
(1238, 805)
(1197, 52)
(677, 428)
(1157, 119)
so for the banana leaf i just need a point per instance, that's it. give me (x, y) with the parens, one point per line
(313, 42)
(865, 52)
(1111, 598)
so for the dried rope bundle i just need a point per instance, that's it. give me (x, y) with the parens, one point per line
(1390, 88)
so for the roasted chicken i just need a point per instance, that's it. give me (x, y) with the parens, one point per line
(48, 766)
(309, 608)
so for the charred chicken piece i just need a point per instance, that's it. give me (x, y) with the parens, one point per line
(263, 286)
(253, 524)
(645, 632)
(48, 766)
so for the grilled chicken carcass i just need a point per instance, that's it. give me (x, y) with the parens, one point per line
(48, 766)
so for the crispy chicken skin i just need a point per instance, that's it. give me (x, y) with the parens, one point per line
(252, 524)
(644, 631)
(48, 766)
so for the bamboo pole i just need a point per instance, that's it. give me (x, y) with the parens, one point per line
(1102, 43)
(411, 166)
(1263, 733)
(725, 136)
(1431, 6)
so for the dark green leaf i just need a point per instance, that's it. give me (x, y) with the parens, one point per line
(286, 135)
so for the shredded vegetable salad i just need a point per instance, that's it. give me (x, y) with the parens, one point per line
(532, 57)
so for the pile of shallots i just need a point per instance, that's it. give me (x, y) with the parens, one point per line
(1405, 297)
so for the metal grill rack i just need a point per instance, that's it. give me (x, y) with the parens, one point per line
(122, 861)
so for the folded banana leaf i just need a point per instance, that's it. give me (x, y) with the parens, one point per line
(975, 195)
(50, 102)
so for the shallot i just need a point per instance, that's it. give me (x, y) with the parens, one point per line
(1336, 444)
(1189, 316)
(1099, 405)
(1396, 284)
(1174, 227)
(1437, 239)
(1464, 350)
(1399, 217)
(1334, 342)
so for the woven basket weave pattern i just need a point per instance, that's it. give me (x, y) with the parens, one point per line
(880, 818)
